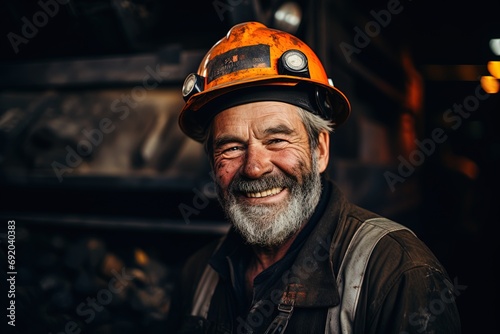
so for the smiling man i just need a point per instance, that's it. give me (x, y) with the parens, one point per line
(299, 257)
(267, 181)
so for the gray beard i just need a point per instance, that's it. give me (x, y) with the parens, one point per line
(272, 225)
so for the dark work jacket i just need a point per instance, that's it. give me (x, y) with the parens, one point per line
(405, 288)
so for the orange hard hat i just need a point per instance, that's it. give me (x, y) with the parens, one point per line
(255, 63)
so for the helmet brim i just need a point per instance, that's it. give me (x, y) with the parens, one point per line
(323, 100)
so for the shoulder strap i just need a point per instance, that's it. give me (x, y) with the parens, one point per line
(204, 292)
(349, 278)
(205, 289)
(352, 270)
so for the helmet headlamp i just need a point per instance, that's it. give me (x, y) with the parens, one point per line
(192, 84)
(253, 62)
(294, 62)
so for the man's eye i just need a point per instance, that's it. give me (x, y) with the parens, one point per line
(232, 149)
(276, 141)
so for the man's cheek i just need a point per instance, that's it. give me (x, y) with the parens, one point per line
(224, 173)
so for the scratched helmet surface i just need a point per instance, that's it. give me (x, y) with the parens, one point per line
(255, 63)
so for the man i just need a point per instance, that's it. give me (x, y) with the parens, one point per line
(299, 257)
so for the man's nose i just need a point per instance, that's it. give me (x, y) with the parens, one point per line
(257, 162)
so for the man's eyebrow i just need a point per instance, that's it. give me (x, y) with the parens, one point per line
(226, 139)
(279, 129)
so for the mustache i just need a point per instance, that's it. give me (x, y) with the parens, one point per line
(240, 184)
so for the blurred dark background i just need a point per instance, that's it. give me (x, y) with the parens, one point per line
(109, 197)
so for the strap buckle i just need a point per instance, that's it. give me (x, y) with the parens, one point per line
(279, 323)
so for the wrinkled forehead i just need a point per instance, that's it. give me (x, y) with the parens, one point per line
(259, 117)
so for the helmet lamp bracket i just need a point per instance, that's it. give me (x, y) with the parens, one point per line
(193, 84)
(293, 62)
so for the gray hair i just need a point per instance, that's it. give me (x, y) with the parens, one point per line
(314, 125)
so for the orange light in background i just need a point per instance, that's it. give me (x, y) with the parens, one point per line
(141, 257)
(408, 133)
(494, 68)
(490, 84)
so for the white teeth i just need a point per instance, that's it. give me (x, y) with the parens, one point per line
(265, 193)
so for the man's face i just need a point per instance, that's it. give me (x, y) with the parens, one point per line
(267, 176)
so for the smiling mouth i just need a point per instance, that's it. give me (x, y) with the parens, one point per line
(265, 193)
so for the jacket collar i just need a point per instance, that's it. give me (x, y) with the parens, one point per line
(309, 281)
(312, 281)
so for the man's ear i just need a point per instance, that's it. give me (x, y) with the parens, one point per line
(323, 150)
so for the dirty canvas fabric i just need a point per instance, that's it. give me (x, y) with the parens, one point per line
(401, 278)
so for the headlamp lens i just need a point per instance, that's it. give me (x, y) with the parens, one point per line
(295, 60)
(189, 84)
